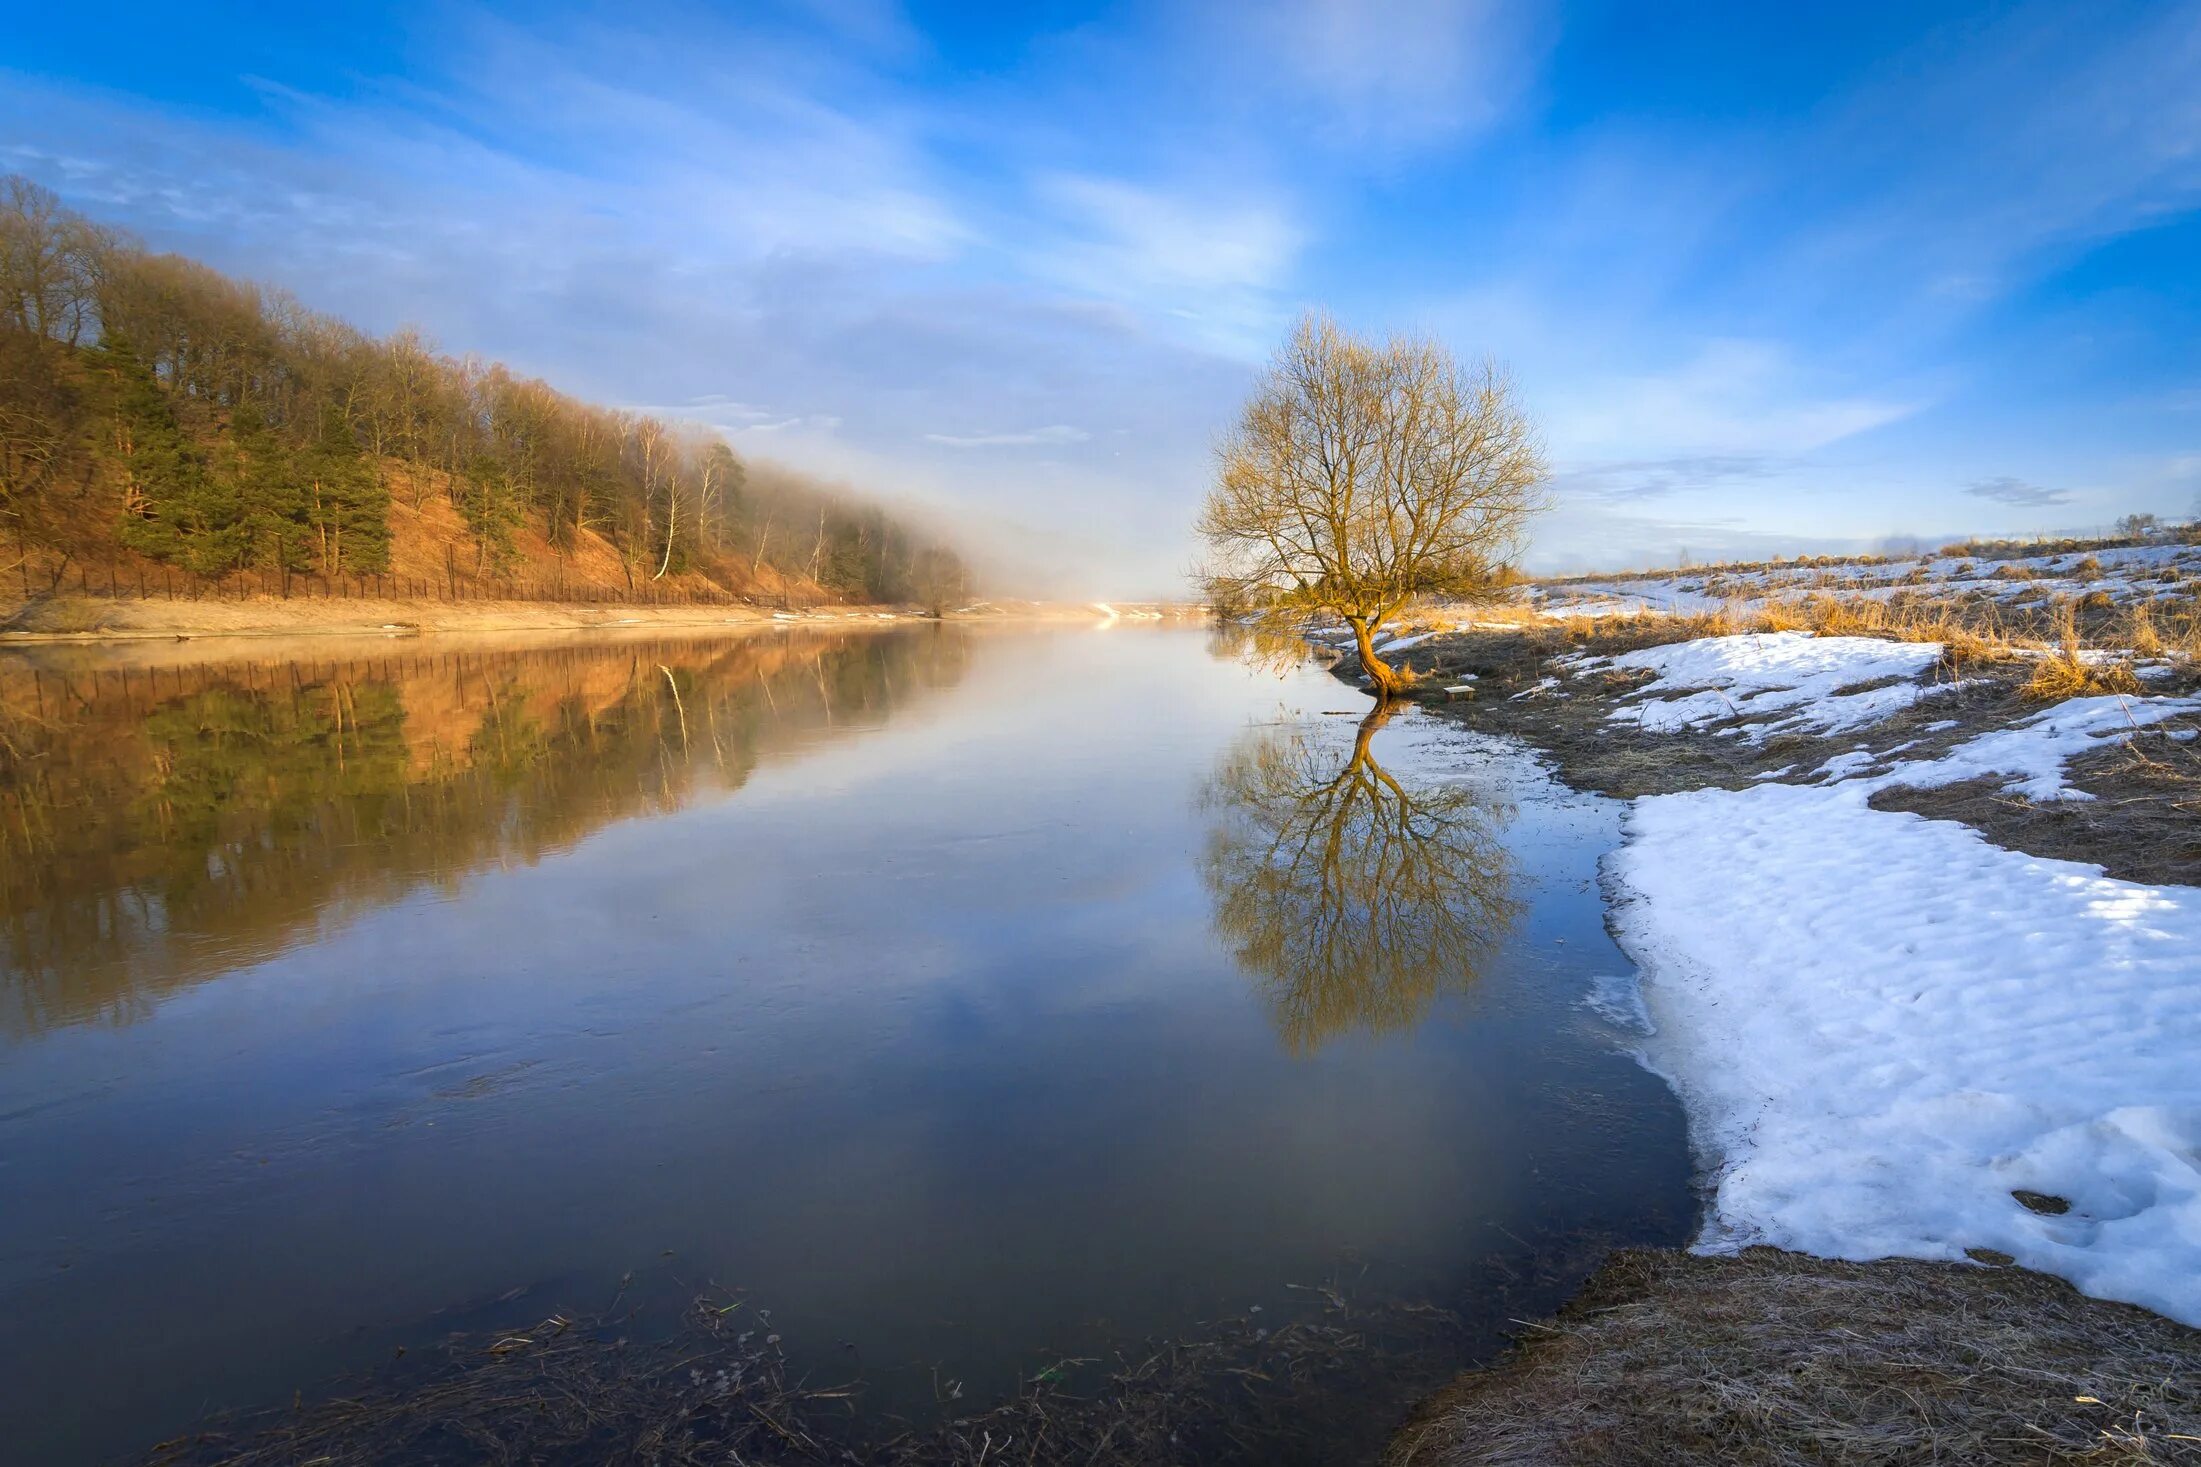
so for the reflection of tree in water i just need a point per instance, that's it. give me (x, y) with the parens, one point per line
(1352, 899)
(165, 825)
(1267, 644)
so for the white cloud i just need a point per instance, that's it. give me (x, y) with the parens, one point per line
(1214, 262)
(1151, 237)
(1053, 433)
(1733, 398)
(1400, 72)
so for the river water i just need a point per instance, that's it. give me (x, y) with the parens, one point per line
(964, 992)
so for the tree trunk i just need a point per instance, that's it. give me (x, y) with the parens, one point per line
(1388, 683)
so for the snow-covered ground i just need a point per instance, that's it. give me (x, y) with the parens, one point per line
(1825, 684)
(1885, 1027)
(2123, 573)
(2029, 756)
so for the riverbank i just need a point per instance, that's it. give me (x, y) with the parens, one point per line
(1916, 921)
(112, 619)
(1765, 1358)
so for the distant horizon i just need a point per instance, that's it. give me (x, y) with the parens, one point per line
(1772, 282)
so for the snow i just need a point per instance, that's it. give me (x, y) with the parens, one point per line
(2029, 756)
(1400, 644)
(1884, 1026)
(1881, 1025)
(1791, 673)
(2128, 573)
(1843, 765)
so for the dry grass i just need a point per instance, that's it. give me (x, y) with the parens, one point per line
(2066, 672)
(1771, 1359)
(2061, 674)
(2141, 634)
(1972, 628)
(579, 1393)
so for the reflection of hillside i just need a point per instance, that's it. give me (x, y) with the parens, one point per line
(160, 825)
(1352, 896)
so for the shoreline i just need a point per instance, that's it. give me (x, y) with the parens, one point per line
(84, 620)
(1790, 793)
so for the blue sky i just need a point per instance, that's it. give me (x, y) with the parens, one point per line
(1772, 277)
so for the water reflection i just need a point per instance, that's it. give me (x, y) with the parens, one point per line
(162, 823)
(1266, 646)
(1351, 896)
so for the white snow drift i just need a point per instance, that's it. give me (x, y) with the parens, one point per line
(1884, 1026)
(1787, 680)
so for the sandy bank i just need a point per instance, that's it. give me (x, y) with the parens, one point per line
(93, 619)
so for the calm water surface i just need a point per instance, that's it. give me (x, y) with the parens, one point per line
(960, 992)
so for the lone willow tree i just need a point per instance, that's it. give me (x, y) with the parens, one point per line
(1361, 475)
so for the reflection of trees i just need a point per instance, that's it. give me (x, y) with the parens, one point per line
(162, 825)
(1352, 899)
(1268, 644)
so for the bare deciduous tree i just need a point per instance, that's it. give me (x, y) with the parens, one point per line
(1361, 475)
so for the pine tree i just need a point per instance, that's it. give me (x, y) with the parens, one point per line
(491, 505)
(269, 490)
(165, 488)
(348, 503)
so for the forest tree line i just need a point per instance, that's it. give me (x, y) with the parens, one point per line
(219, 425)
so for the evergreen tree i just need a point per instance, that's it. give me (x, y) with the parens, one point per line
(493, 510)
(171, 509)
(348, 503)
(275, 520)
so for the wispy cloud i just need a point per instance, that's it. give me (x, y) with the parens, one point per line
(1054, 433)
(1731, 400)
(2006, 490)
(1400, 72)
(1639, 479)
(1216, 262)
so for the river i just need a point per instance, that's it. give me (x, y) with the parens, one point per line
(961, 992)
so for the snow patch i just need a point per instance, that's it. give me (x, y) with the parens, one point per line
(2029, 756)
(1882, 1025)
(1790, 673)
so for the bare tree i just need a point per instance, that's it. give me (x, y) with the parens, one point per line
(49, 262)
(1361, 475)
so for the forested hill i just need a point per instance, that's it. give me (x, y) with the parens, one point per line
(159, 417)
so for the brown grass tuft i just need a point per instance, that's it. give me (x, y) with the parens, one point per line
(2066, 673)
(2062, 675)
(2141, 633)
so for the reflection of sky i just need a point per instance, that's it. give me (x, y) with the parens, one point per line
(924, 1037)
(1774, 275)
